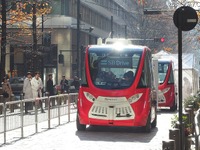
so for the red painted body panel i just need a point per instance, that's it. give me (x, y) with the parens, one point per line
(170, 95)
(141, 108)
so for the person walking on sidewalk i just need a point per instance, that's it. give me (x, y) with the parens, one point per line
(37, 86)
(64, 85)
(7, 92)
(27, 91)
(50, 88)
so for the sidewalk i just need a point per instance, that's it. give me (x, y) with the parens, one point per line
(14, 121)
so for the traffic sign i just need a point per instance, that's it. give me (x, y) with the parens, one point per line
(185, 18)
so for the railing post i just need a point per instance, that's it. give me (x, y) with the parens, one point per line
(1, 101)
(69, 100)
(22, 117)
(12, 98)
(49, 112)
(36, 115)
(59, 101)
(46, 102)
(4, 112)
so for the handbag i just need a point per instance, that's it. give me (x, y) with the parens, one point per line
(5, 94)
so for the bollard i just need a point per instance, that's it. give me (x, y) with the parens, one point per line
(191, 119)
(174, 134)
(168, 145)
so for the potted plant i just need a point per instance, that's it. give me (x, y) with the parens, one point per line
(175, 120)
(192, 100)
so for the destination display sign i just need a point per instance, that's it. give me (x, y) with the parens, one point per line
(116, 63)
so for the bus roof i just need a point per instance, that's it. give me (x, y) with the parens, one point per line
(116, 46)
(165, 60)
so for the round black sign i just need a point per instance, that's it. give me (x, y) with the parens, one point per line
(185, 18)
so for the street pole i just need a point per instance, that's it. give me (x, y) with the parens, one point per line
(125, 31)
(111, 27)
(180, 79)
(34, 49)
(42, 29)
(3, 39)
(78, 40)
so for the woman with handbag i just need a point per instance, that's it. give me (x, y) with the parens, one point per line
(7, 91)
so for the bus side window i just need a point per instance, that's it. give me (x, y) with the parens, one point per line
(146, 76)
(171, 78)
(142, 83)
(84, 82)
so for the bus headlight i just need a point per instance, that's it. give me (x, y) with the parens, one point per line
(165, 90)
(89, 97)
(134, 98)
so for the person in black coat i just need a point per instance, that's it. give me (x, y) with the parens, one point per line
(64, 85)
(50, 88)
(76, 83)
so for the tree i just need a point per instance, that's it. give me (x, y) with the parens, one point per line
(161, 25)
(20, 14)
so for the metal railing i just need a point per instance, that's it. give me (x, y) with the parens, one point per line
(14, 118)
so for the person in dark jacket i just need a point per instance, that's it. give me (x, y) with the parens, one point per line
(64, 85)
(50, 88)
(76, 83)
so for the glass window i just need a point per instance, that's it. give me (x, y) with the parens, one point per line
(146, 79)
(110, 69)
(162, 71)
(171, 78)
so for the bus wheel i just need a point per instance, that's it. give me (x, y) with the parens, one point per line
(174, 107)
(154, 123)
(80, 127)
(147, 128)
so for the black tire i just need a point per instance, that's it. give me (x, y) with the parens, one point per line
(147, 128)
(154, 123)
(80, 127)
(174, 107)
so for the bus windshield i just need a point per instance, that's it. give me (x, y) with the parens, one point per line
(110, 69)
(162, 71)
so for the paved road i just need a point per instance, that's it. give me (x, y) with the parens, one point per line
(96, 138)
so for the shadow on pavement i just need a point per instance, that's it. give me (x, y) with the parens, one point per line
(166, 111)
(116, 134)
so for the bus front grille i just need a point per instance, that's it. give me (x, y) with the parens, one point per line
(99, 111)
(111, 112)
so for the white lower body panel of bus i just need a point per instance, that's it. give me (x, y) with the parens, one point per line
(111, 108)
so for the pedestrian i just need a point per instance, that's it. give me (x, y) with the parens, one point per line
(64, 85)
(37, 86)
(50, 88)
(76, 83)
(7, 92)
(27, 91)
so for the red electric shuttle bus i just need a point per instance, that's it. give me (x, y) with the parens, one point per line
(117, 87)
(166, 88)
